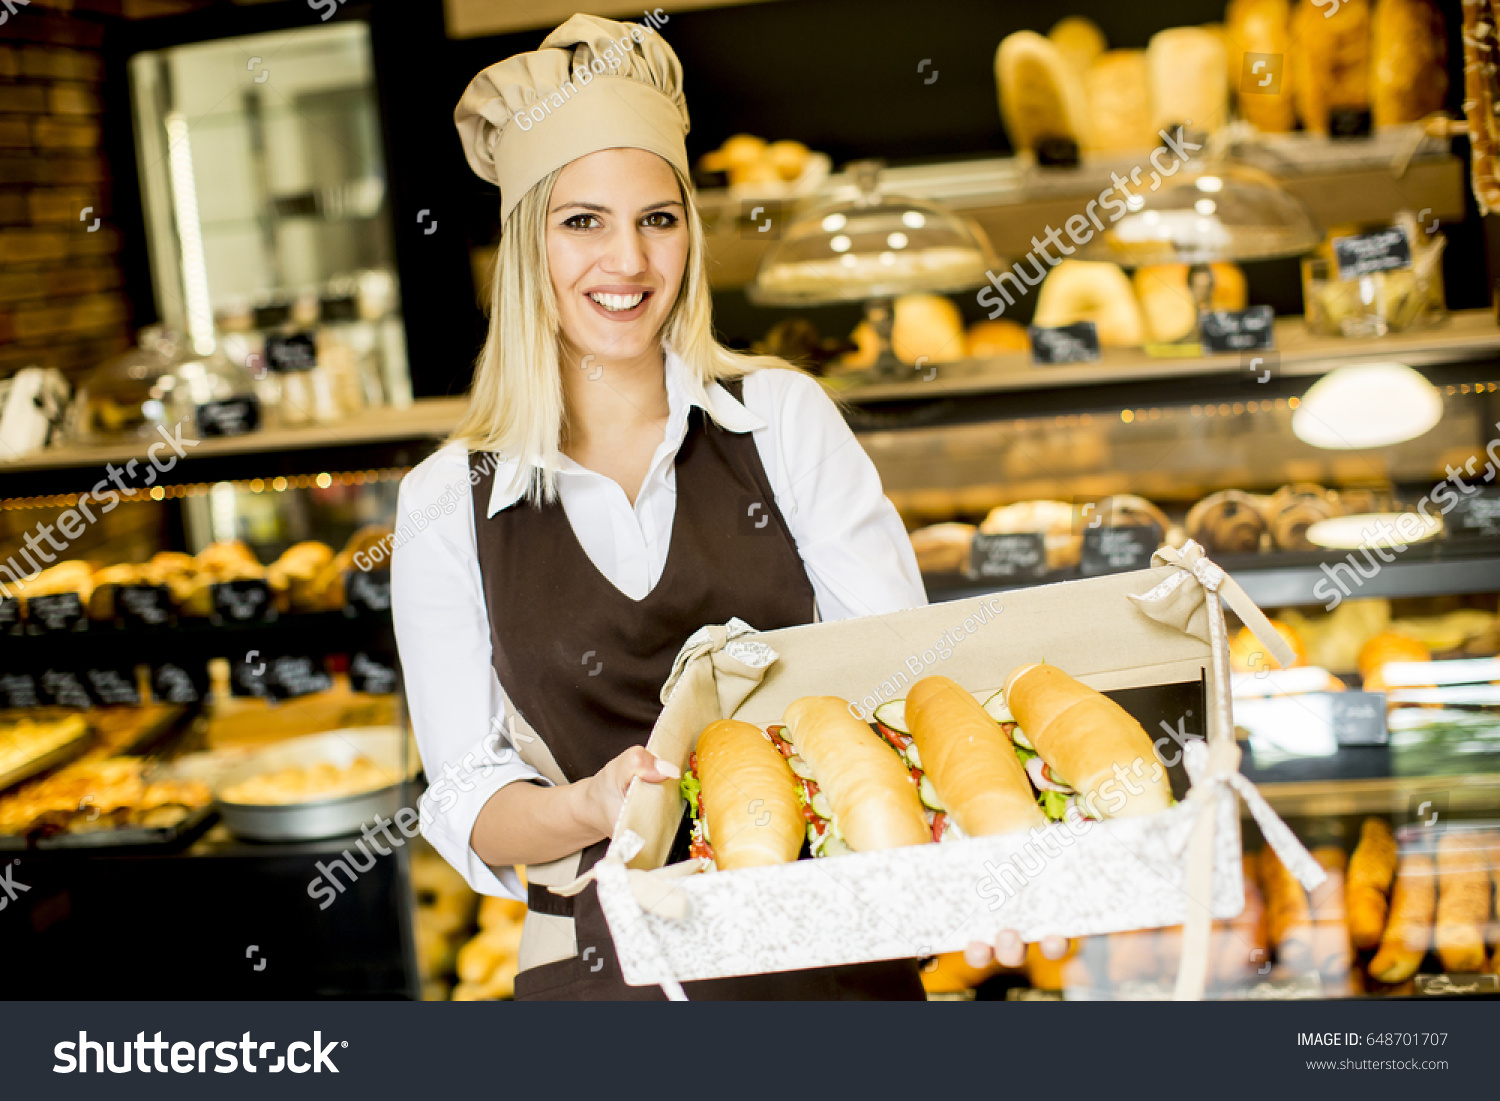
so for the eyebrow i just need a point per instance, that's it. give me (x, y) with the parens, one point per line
(597, 208)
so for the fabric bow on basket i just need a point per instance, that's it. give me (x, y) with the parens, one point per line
(1188, 599)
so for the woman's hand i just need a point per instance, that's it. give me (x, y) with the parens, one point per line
(605, 790)
(1009, 950)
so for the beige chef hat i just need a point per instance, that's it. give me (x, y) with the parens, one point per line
(595, 84)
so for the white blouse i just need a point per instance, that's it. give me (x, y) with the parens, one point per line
(849, 536)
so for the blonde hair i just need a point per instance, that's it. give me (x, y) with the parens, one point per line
(516, 403)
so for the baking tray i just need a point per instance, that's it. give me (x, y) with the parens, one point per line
(123, 837)
(57, 756)
(322, 818)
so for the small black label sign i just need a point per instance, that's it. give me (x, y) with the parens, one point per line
(372, 675)
(64, 688)
(367, 592)
(56, 612)
(144, 605)
(1014, 557)
(1358, 717)
(174, 684)
(1364, 253)
(245, 601)
(1476, 516)
(292, 352)
(1076, 343)
(112, 686)
(1346, 123)
(231, 417)
(293, 675)
(1245, 330)
(10, 615)
(18, 690)
(1112, 550)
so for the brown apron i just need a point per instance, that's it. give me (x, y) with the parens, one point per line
(583, 664)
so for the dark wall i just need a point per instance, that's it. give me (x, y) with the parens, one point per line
(840, 75)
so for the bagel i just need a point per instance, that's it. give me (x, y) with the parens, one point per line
(1092, 290)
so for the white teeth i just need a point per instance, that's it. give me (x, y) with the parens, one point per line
(617, 302)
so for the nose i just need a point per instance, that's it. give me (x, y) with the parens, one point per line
(624, 255)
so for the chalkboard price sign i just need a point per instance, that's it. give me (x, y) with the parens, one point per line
(144, 605)
(367, 592)
(1114, 550)
(1366, 253)
(1012, 557)
(1476, 516)
(244, 601)
(1246, 330)
(1076, 343)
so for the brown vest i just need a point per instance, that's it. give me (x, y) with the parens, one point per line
(584, 664)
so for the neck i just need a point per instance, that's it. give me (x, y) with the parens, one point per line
(606, 398)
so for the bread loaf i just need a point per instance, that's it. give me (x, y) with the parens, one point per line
(1118, 88)
(1041, 94)
(1408, 934)
(1293, 509)
(1228, 522)
(1408, 61)
(1188, 85)
(1330, 60)
(749, 797)
(1262, 27)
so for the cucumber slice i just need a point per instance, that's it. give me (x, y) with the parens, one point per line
(1018, 736)
(893, 715)
(997, 710)
(929, 795)
(821, 806)
(834, 846)
(913, 758)
(801, 767)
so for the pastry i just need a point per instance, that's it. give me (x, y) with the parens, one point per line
(1387, 646)
(1187, 72)
(1247, 655)
(927, 328)
(996, 338)
(1041, 94)
(943, 548)
(1079, 40)
(1408, 934)
(1117, 87)
(1228, 522)
(1330, 60)
(1261, 27)
(1293, 509)
(1372, 869)
(1408, 61)
(1056, 520)
(1168, 302)
(1097, 291)
(1125, 510)
(1463, 908)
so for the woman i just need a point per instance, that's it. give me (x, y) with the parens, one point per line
(619, 480)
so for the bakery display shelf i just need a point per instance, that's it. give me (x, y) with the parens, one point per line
(57, 755)
(1465, 339)
(1473, 793)
(1011, 199)
(309, 632)
(153, 838)
(378, 439)
(1289, 578)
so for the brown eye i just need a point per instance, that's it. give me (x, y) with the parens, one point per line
(578, 220)
(660, 219)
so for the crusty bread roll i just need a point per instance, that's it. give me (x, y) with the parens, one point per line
(873, 798)
(1187, 71)
(1463, 907)
(1408, 934)
(1330, 60)
(1079, 40)
(1092, 290)
(996, 338)
(749, 797)
(1387, 646)
(1126, 510)
(1293, 509)
(1055, 520)
(1228, 522)
(73, 575)
(1288, 915)
(971, 762)
(1408, 61)
(943, 548)
(1168, 301)
(1247, 655)
(1261, 27)
(1118, 89)
(1041, 94)
(1084, 736)
(927, 328)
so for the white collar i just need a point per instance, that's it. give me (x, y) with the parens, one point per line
(731, 414)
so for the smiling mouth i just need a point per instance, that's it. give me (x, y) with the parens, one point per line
(618, 303)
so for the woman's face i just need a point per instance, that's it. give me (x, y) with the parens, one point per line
(617, 245)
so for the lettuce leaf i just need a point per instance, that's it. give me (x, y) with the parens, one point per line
(691, 790)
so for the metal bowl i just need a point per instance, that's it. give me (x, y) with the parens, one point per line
(322, 818)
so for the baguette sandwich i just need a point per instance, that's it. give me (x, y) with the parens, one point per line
(743, 798)
(1090, 740)
(857, 796)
